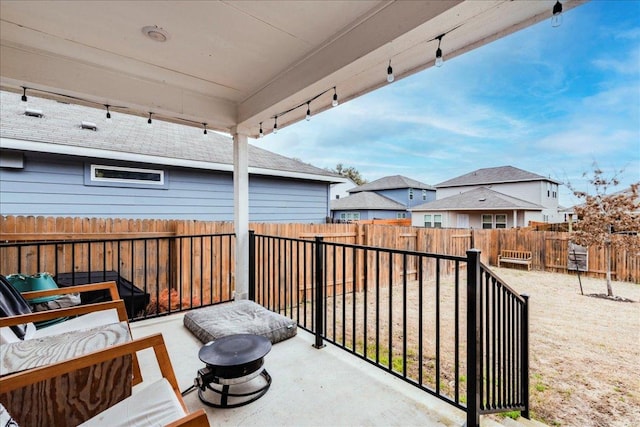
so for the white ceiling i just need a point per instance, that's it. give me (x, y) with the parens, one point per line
(238, 63)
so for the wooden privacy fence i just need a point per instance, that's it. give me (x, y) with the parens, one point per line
(549, 249)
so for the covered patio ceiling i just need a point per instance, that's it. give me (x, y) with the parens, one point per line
(235, 64)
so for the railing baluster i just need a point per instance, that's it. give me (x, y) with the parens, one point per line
(319, 278)
(404, 315)
(474, 338)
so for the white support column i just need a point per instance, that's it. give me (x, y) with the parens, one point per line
(515, 218)
(241, 212)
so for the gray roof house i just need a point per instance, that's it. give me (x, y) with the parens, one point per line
(52, 166)
(499, 197)
(389, 197)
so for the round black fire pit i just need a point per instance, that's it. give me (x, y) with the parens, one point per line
(234, 360)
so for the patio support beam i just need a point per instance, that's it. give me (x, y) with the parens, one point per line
(241, 212)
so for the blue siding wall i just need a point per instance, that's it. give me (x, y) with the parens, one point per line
(401, 195)
(53, 185)
(371, 214)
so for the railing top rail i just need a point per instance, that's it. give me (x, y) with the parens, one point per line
(374, 248)
(118, 239)
(487, 270)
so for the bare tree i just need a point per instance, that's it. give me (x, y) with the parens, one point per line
(609, 221)
(349, 172)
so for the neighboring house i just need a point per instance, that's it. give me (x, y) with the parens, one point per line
(340, 190)
(385, 198)
(51, 166)
(500, 197)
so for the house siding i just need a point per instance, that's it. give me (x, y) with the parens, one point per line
(54, 185)
(370, 214)
(401, 195)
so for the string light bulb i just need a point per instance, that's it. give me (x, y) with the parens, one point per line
(439, 60)
(556, 18)
(149, 121)
(308, 117)
(108, 112)
(390, 77)
(275, 125)
(23, 100)
(261, 133)
(204, 126)
(334, 103)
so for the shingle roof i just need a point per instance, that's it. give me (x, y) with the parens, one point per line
(390, 183)
(479, 198)
(366, 200)
(495, 175)
(131, 134)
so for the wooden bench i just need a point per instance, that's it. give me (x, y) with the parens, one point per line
(515, 257)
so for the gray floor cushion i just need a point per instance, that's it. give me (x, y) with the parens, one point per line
(238, 317)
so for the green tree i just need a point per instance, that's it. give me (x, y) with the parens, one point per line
(349, 172)
(609, 221)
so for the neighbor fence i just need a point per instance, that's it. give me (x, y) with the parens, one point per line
(549, 249)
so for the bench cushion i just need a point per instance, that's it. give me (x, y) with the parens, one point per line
(28, 354)
(238, 317)
(154, 405)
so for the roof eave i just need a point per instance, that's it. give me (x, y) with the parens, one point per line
(70, 150)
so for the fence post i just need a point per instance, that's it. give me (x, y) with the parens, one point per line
(474, 338)
(525, 356)
(252, 265)
(319, 275)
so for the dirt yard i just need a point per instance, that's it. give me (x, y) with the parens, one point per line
(585, 351)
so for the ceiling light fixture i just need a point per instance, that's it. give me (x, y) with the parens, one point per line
(308, 117)
(334, 103)
(390, 77)
(556, 18)
(204, 125)
(275, 125)
(149, 120)
(108, 112)
(24, 94)
(155, 33)
(439, 60)
(261, 134)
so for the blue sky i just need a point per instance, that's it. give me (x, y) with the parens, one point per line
(547, 100)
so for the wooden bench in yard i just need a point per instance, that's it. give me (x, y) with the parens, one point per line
(515, 257)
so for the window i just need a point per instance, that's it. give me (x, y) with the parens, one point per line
(548, 189)
(501, 221)
(117, 176)
(433, 221)
(350, 216)
(437, 221)
(487, 221)
(424, 194)
(411, 194)
(401, 215)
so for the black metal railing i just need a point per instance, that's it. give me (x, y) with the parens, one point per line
(462, 339)
(156, 276)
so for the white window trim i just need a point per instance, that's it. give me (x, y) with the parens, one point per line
(90, 177)
(126, 169)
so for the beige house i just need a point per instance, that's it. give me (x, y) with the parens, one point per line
(500, 197)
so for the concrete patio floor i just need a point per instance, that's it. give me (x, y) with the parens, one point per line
(311, 387)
